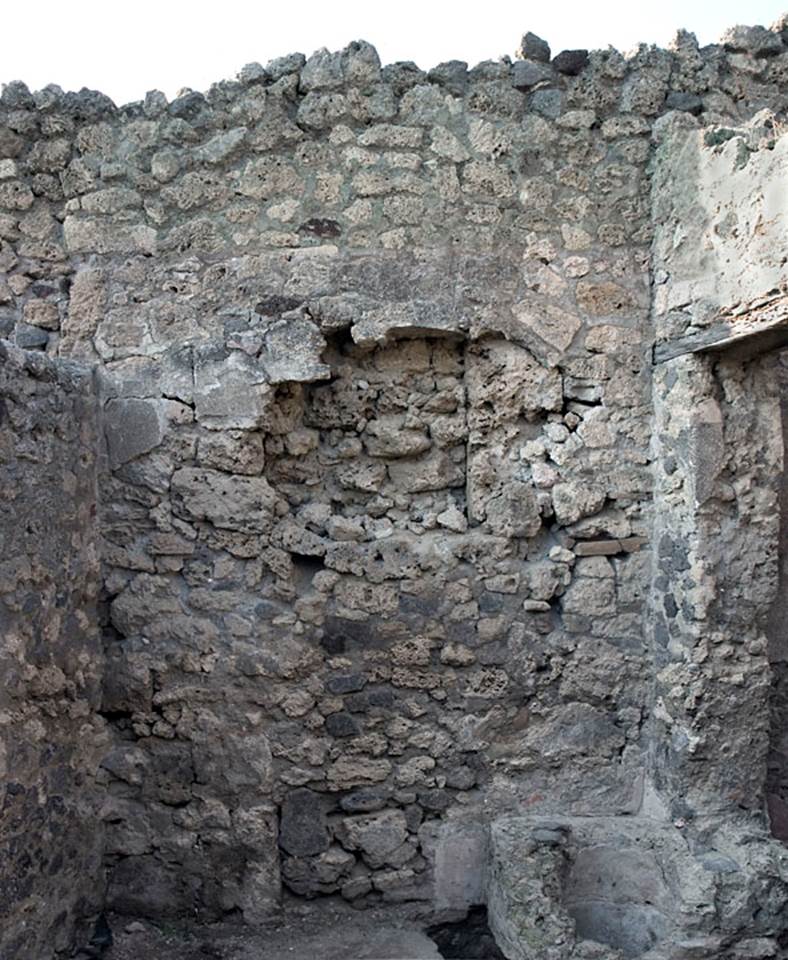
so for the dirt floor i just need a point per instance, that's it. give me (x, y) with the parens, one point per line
(308, 932)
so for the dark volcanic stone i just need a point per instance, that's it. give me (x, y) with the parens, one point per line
(527, 73)
(341, 725)
(275, 305)
(31, 338)
(453, 75)
(357, 703)
(364, 801)
(534, 48)
(302, 829)
(382, 698)
(321, 227)
(188, 105)
(688, 102)
(435, 801)
(333, 643)
(346, 683)
(414, 816)
(461, 778)
(571, 62)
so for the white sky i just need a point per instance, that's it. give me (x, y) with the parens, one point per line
(125, 49)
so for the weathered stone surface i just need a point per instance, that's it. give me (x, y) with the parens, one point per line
(235, 503)
(527, 74)
(554, 885)
(571, 62)
(292, 351)
(132, 427)
(51, 736)
(574, 500)
(302, 830)
(232, 451)
(534, 48)
(95, 236)
(377, 835)
(231, 391)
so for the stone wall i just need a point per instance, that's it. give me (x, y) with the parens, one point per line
(50, 655)
(777, 783)
(376, 504)
(720, 244)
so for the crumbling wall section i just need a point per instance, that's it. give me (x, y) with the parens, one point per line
(51, 873)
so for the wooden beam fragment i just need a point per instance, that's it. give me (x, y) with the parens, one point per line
(744, 331)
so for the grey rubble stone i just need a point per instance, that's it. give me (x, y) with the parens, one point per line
(391, 135)
(322, 71)
(230, 390)
(548, 103)
(346, 683)
(361, 64)
(29, 337)
(110, 200)
(376, 835)
(342, 725)
(573, 500)
(534, 48)
(292, 351)
(387, 437)
(571, 62)
(397, 320)
(155, 103)
(15, 195)
(302, 828)
(16, 95)
(233, 503)
(165, 165)
(222, 146)
(97, 236)
(514, 512)
(757, 41)
(453, 75)
(528, 73)
(132, 428)
(282, 66)
(187, 105)
(87, 105)
(233, 451)
(690, 102)
(358, 65)
(402, 75)
(252, 73)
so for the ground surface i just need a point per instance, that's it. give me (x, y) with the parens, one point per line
(316, 933)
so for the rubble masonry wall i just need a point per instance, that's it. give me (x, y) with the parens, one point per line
(376, 488)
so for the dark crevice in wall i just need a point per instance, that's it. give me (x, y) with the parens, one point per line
(466, 939)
